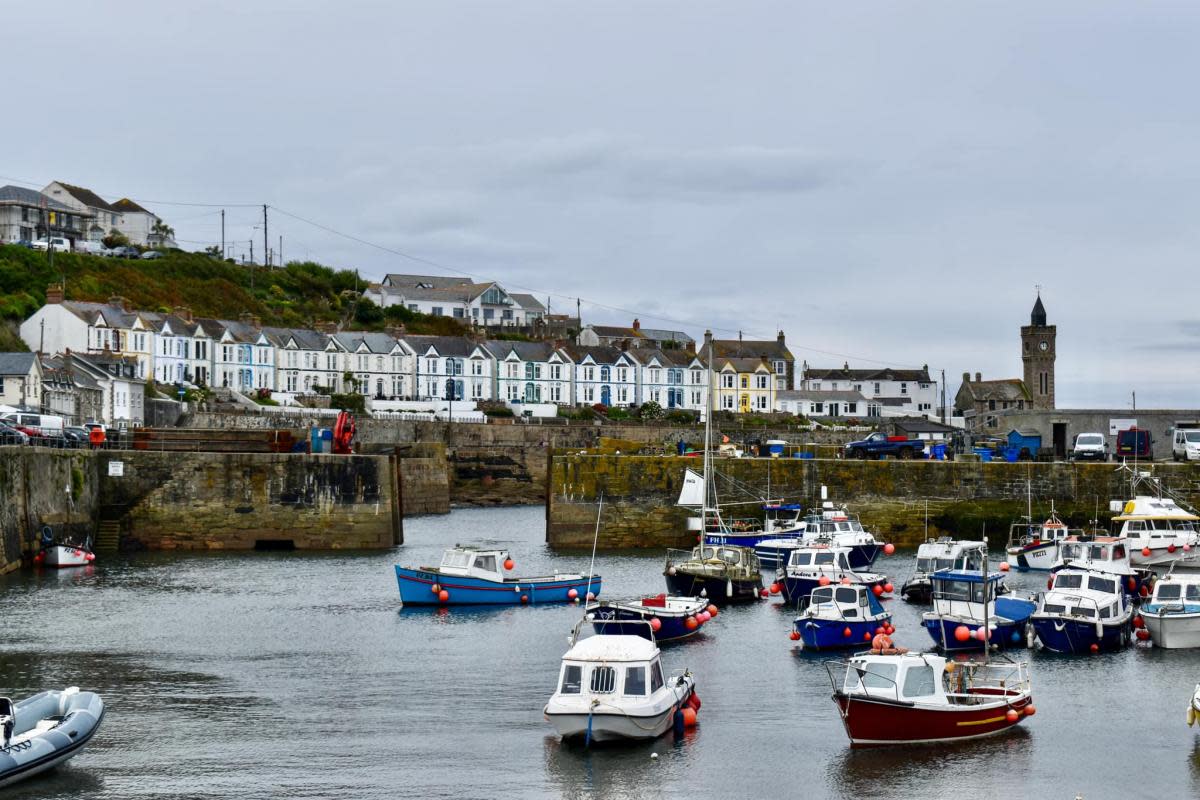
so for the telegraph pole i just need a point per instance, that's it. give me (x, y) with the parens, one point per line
(222, 234)
(943, 397)
(281, 262)
(266, 251)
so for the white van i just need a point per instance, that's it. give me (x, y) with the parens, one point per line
(45, 424)
(1185, 446)
(58, 243)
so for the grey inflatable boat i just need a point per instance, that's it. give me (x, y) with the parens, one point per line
(43, 731)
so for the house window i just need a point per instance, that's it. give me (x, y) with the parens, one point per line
(413, 307)
(816, 387)
(431, 366)
(762, 402)
(761, 382)
(851, 408)
(605, 374)
(818, 408)
(622, 374)
(555, 372)
(904, 388)
(780, 367)
(653, 376)
(489, 313)
(695, 376)
(437, 311)
(726, 381)
(877, 387)
(460, 313)
(476, 366)
(991, 405)
(745, 381)
(589, 373)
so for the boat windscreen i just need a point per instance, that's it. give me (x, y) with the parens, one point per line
(822, 595)
(1068, 582)
(823, 559)
(1099, 584)
(846, 594)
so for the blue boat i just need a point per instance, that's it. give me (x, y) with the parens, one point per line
(1083, 612)
(840, 616)
(814, 565)
(1107, 554)
(962, 599)
(480, 577)
(629, 617)
(779, 519)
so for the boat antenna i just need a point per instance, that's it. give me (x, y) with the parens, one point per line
(987, 634)
(595, 542)
(927, 519)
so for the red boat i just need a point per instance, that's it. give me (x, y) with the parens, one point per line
(915, 698)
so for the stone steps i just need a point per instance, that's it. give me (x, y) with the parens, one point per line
(108, 536)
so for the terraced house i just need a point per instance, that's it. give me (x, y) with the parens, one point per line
(603, 376)
(531, 372)
(673, 378)
(380, 363)
(452, 367)
(87, 327)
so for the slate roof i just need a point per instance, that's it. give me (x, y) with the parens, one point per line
(378, 343)
(91, 312)
(881, 374)
(87, 196)
(29, 197)
(128, 206)
(669, 357)
(458, 346)
(526, 351)
(740, 364)
(179, 325)
(527, 302)
(653, 334)
(921, 425)
(16, 363)
(1038, 315)
(601, 354)
(404, 280)
(1004, 389)
(739, 348)
(306, 339)
(821, 395)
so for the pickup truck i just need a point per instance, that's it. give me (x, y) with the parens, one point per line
(877, 445)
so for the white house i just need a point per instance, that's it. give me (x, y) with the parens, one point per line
(633, 337)
(243, 356)
(484, 304)
(531, 372)
(825, 403)
(897, 392)
(604, 375)
(466, 366)
(673, 378)
(20, 380)
(382, 365)
(87, 327)
(123, 393)
(24, 213)
(97, 217)
(303, 359)
(139, 225)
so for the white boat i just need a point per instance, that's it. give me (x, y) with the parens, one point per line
(937, 554)
(1035, 547)
(65, 555)
(45, 730)
(612, 688)
(1172, 615)
(1194, 707)
(1158, 529)
(1106, 554)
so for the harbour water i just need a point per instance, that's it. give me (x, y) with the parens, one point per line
(266, 675)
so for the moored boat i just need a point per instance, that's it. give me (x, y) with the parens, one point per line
(1157, 529)
(45, 730)
(469, 576)
(63, 553)
(967, 611)
(612, 688)
(1172, 614)
(815, 565)
(669, 618)
(1083, 612)
(919, 698)
(722, 574)
(1106, 554)
(839, 616)
(937, 554)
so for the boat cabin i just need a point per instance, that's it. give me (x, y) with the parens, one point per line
(469, 562)
(1080, 593)
(1176, 592)
(1053, 530)
(1103, 551)
(713, 559)
(606, 667)
(852, 602)
(1154, 518)
(782, 517)
(946, 553)
(960, 593)
(926, 679)
(820, 557)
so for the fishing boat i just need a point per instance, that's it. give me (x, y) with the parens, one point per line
(967, 611)
(470, 576)
(1035, 546)
(1083, 612)
(45, 730)
(816, 565)
(612, 688)
(1157, 529)
(920, 698)
(63, 553)
(773, 554)
(1172, 614)
(669, 618)
(720, 573)
(937, 554)
(839, 616)
(835, 524)
(1106, 554)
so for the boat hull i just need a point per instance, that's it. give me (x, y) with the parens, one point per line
(1173, 631)
(1074, 637)
(1160, 554)
(416, 588)
(715, 589)
(63, 556)
(1003, 634)
(862, 556)
(917, 590)
(1038, 558)
(878, 722)
(625, 621)
(748, 539)
(54, 747)
(607, 724)
(825, 634)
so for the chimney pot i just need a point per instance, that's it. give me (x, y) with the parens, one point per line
(637, 325)
(966, 377)
(780, 338)
(978, 377)
(117, 301)
(54, 293)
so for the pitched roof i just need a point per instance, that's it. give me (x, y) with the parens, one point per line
(820, 395)
(90, 313)
(306, 338)
(669, 356)
(526, 351)
(86, 196)
(378, 343)
(405, 280)
(458, 346)
(527, 302)
(1038, 315)
(879, 374)
(741, 348)
(601, 354)
(179, 325)
(921, 425)
(28, 197)
(740, 364)
(128, 206)
(16, 363)
(1004, 389)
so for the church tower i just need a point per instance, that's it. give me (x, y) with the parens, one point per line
(1038, 353)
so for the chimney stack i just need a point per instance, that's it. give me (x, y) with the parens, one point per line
(117, 301)
(184, 313)
(966, 377)
(54, 294)
(978, 377)
(246, 318)
(326, 327)
(707, 340)
(780, 338)
(637, 325)
(395, 331)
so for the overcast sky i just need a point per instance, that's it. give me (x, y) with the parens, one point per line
(886, 182)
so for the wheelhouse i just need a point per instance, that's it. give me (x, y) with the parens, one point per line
(782, 516)
(946, 553)
(962, 592)
(851, 602)
(468, 562)
(1175, 592)
(594, 672)
(1084, 595)
(820, 557)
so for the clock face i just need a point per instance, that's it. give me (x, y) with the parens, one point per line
(1044, 345)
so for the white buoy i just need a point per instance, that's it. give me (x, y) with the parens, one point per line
(653, 756)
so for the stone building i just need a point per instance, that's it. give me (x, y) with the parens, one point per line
(1038, 354)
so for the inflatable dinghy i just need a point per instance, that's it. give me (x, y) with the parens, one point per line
(43, 731)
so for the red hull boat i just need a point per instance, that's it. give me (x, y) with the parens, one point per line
(916, 698)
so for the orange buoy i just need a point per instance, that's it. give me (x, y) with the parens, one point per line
(845, 581)
(794, 636)
(443, 595)
(962, 633)
(655, 624)
(524, 598)
(572, 593)
(435, 588)
(1012, 715)
(1030, 711)
(1146, 552)
(689, 717)
(889, 548)
(1143, 634)
(591, 596)
(509, 563)
(823, 580)
(712, 609)
(881, 642)
(691, 624)
(887, 587)
(1004, 568)
(866, 636)
(774, 588)
(982, 634)
(694, 702)
(877, 589)
(847, 632)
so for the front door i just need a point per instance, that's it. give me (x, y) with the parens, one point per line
(744, 403)
(606, 396)
(1060, 440)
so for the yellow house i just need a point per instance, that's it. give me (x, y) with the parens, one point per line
(744, 385)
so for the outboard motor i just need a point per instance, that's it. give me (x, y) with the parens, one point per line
(8, 719)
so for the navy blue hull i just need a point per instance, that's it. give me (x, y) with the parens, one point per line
(626, 622)
(1075, 637)
(862, 556)
(682, 584)
(1010, 634)
(821, 634)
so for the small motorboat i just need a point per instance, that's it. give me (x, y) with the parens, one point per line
(750, 532)
(836, 525)
(611, 688)
(1035, 547)
(773, 554)
(839, 616)
(63, 553)
(1106, 554)
(1172, 614)
(1157, 530)
(1083, 612)
(965, 603)
(915, 698)
(815, 565)
(670, 618)
(468, 576)
(936, 554)
(720, 573)
(43, 731)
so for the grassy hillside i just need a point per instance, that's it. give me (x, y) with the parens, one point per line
(293, 296)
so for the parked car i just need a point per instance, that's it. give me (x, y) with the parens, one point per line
(94, 248)
(28, 245)
(57, 242)
(1185, 444)
(1134, 443)
(878, 445)
(10, 435)
(149, 254)
(75, 436)
(124, 251)
(1090, 447)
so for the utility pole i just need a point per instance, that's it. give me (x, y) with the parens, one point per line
(265, 250)
(578, 313)
(42, 341)
(943, 397)
(222, 234)
(281, 261)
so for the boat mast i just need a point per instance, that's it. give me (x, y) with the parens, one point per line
(986, 585)
(708, 477)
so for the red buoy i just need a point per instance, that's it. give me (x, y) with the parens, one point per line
(880, 630)
(689, 717)
(877, 590)
(524, 598)
(889, 548)
(1030, 711)
(712, 609)
(443, 595)
(890, 629)
(887, 587)
(1146, 552)
(694, 702)
(1012, 715)
(1095, 648)
(1143, 635)
(1138, 622)
(691, 624)
(655, 624)
(774, 588)
(1005, 568)
(1132, 583)
(847, 632)
(823, 580)
(1171, 547)
(1144, 592)
(962, 633)
(866, 636)
(794, 636)
(508, 563)
(764, 593)
(1049, 583)
(571, 593)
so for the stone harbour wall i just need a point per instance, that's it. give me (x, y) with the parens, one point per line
(40, 487)
(891, 497)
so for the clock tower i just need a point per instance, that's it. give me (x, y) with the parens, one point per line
(1038, 353)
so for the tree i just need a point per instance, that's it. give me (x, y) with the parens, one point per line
(162, 231)
(367, 313)
(115, 239)
(213, 251)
